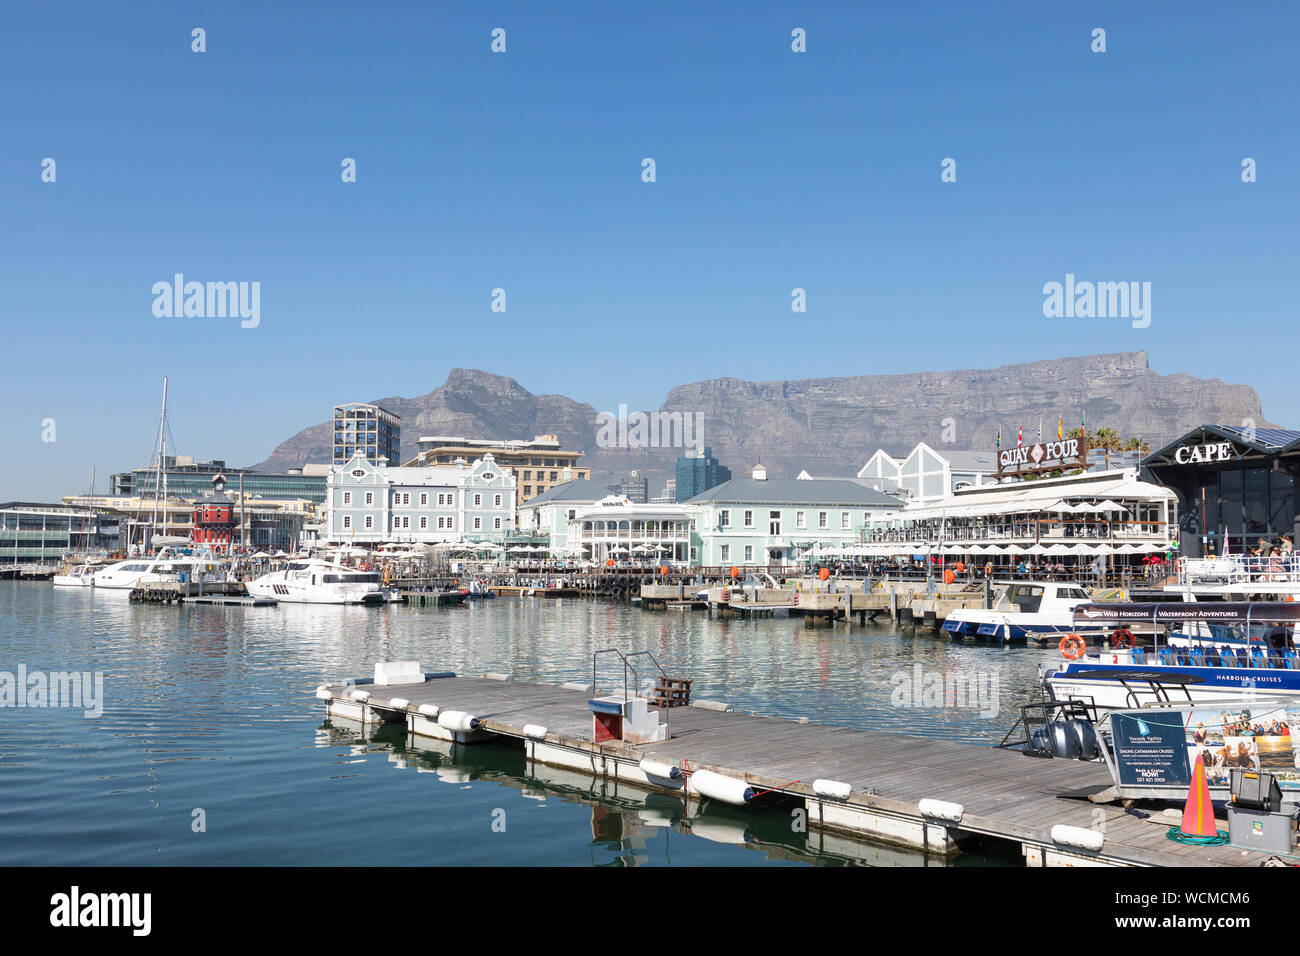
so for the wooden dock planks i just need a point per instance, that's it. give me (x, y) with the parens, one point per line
(1005, 794)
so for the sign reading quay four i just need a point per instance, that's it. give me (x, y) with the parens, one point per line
(1043, 456)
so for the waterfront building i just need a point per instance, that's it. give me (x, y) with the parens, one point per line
(368, 503)
(618, 529)
(925, 475)
(1234, 486)
(189, 479)
(1070, 520)
(761, 521)
(35, 533)
(269, 524)
(215, 519)
(366, 430)
(550, 512)
(536, 466)
(635, 488)
(697, 473)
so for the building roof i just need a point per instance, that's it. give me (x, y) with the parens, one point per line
(1266, 441)
(1037, 496)
(579, 489)
(986, 461)
(796, 491)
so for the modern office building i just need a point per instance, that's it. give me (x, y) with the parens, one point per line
(698, 473)
(368, 504)
(189, 479)
(366, 430)
(635, 488)
(537, 465)
(34, 533)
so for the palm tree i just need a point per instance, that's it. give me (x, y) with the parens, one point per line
(1137, 444)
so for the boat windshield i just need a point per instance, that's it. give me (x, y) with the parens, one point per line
(351, 578)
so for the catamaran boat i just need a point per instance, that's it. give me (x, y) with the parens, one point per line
(168, 565)
(1230, 652)
(313, 581)
(1025, 610)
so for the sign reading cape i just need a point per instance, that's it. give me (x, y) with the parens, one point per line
(1044, 456)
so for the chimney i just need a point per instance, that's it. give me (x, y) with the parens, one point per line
(759, 473)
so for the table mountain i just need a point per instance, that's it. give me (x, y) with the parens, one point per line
(828, 426)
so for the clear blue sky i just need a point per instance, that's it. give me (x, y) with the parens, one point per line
(522, 170)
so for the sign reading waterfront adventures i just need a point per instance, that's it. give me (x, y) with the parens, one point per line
(1043, 456)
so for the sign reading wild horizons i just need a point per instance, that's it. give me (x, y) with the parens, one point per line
(1043, 456)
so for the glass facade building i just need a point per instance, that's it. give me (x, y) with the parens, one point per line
(366, 430)
(190, 480)
(698, 473)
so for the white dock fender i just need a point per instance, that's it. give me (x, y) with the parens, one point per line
(399, 703)
(941, 810)
(659, 768)
(324, 693)
(574, 685)
(1077, 837)
(536, 731)
(458, 720)
(832, 788)
(717, 787)
(361, 695)
(429, 710)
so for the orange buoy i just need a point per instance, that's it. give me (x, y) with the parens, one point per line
(949, 576)
(1072, 647)
(609, 563)
(824, 573)
(735, 571)
(663, 569)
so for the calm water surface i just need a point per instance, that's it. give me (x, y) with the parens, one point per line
(212, 708)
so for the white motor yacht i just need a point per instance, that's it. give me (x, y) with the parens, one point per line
(313, 581)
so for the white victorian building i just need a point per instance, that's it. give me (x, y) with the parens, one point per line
(617, 529)
(367, 503)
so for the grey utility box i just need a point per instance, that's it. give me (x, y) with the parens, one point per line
(1261, 830)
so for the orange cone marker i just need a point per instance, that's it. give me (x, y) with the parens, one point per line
(1198, 815)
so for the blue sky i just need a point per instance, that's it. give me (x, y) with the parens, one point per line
(522, 171)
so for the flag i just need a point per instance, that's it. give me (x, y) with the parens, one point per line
(998, 444)
(1083, 422)
(1040, 431)
(1020, 436)
(1060, 428)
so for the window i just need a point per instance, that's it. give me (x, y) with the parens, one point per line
(844, 521)
(726, 553)
(573, 513)
(724, 519)
(424, 524)
(370, 522)
(821, 519)
(553, 476)
(406, 499)
(424, 498)
(406, 523)
(347, 522)
(693, 554)
(496, 524)
(800, 520)
(370, 497)
(774, 523)
(496, 501)
(478, 501)
(749, 553)
(528, 489)
(749, 519)
(478, 524)
(347, 497)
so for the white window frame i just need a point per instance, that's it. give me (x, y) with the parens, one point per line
(724, 518)
(823, 519)
(749, 518)
(347, 497)
(347, 522)
(370, 522)
(801, 519)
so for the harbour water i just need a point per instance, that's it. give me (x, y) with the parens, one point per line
(211, 749)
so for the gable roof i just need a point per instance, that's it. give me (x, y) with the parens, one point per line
(579, 489)
(796, 491)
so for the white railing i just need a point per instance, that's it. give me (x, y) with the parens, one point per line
(1240, 569)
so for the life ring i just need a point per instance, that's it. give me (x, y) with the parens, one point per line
(1072, 647)
(1122, 637)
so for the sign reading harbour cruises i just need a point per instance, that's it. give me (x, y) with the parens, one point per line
(1043, 456)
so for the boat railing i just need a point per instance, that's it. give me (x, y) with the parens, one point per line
(1240, 569)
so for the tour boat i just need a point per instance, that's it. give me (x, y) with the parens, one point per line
(1025, 610)
(314, 581)
(1216, 651)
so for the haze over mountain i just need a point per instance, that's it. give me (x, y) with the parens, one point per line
(828, 426)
